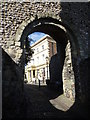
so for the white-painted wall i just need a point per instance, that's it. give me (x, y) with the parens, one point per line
(39, 55)
(38, 60)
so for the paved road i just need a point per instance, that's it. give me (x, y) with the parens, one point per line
(45, 103)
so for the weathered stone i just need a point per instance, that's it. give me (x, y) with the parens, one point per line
(9, 43)
(16, 16)
(20, 51)
(17, 43)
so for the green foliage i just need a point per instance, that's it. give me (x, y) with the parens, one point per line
(28, 51)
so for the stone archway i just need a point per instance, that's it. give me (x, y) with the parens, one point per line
(33, 17)
(63, 35)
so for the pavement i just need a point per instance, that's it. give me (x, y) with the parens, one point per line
(42, 102)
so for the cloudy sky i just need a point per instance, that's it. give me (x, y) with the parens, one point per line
(36, 36)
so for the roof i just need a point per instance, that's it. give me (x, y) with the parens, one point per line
(40, 40)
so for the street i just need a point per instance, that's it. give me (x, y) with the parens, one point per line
(45, 103)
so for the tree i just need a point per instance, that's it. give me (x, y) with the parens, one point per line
(28, 50)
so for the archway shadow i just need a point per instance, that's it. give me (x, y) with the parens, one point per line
(20, 104)
(39, 99)
(39, 103)
(82, 99)
(12, 88)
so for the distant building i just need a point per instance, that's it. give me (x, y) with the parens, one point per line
(43, 49)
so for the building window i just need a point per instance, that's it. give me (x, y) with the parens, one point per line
(33, 61)
(37, 59)
(43, 57)
(42, 47)
(33, 50)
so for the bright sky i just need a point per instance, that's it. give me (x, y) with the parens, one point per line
(36, 36)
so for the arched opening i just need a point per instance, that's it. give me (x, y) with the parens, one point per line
(61, 65)
(43, 47)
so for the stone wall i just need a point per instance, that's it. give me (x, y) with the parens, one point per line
(15, 13)
(12, 88)
(76, 16)
(0, 82)
(15, 16)
(68, 75)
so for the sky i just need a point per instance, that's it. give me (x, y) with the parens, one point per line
(36, 36)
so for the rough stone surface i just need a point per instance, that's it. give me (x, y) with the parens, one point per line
(15, 16)
(12, 88)
(68, 75)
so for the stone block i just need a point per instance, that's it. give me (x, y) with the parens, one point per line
(16, 13)
(17, 36)
(9, 43)
(19, 51)
(17, 43)
(69, 61)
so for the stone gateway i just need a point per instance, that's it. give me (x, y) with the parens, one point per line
(66, 23)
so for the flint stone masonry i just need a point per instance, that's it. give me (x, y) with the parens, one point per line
(14, 18)
(14, 14)
(68, 75)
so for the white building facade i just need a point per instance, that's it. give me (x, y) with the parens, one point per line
(43, 49)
